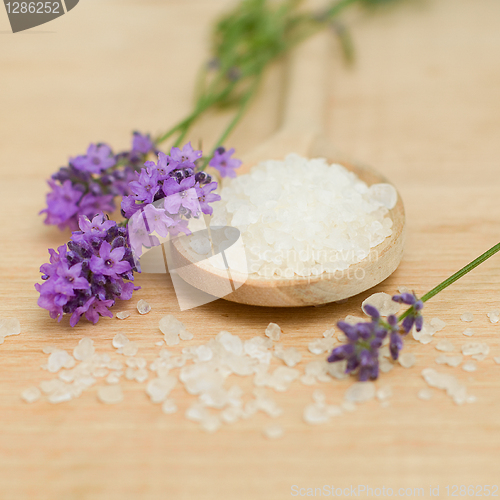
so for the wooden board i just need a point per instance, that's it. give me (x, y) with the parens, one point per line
(421, 105)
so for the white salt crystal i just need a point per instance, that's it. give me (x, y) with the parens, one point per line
(159, 388)
(170, 324)
(59, 359)
(449, 360)
(470, 366)
(31, 394)
(143, 307)
(211, 423)
(168, 406)
(425, 394)
(445, 346)
(49, 349)
(328, 333)
(385, 194)
(204, 353)
(404, 289)
(171, 338)
(119, 340)
(130, 349)
(496, 359)
(475, 348)
(113, 378)
(159, 343)
(110, 394)
(9, 326)
(450, 384)
(469, 332)
(291, 356)
(273, 431)
(130, 373)
(348, 406)
(60, 395)
(360, 392)
(84, 350)
(341, 337)
(478, 357)
(437, 324)
(185, 335)
(494, 316)
(122, 314)
(407, 359)
(141, 375)
(231, 343)
(383, 302)
(352, 320)
(273, 331)
(467, 316)
(385, 365)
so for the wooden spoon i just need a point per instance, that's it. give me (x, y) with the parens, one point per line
(300, 133)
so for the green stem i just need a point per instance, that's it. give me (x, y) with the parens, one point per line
(447, 282)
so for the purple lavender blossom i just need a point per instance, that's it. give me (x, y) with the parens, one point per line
(364, 339)
(223, 162)
(205, 196)
(98, 158)
(157, 220)
(90, 182)
(181, 195)
(186, 157)
(87, 275)
(165, 165)
(62, 204)
(414, 317)
(142, 143)
(146, 186)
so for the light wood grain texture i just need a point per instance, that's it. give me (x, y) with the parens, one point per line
(421, 105)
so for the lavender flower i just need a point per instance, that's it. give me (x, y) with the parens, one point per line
(223, 162)
(205, 196)
(414, 317)
(364, 339)
(90, 182)
(87, 275)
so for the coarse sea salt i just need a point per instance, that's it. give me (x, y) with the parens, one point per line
(8, 327)
(122, 314)
(407, 359)
(143, 307)
(273, 331)
(360, 392)
(110, 394)
(454, 389)
(273, 431)
(494, 316)
(321, 220)
(445, 346)
(383, 302)
(473, 348)
(467, 317)
(468, 332)
(31, 394)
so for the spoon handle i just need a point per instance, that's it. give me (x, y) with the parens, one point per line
(307, 79)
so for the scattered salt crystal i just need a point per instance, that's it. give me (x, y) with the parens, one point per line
(110, 394)
(467, 316)
(211, 423)
(360, 392)
(159, 388)
(113, 378)
(320, 413)
(475, 348)
(130, 349)
(385, 194)
(204, 353)
(383, 302)
(291, 356)
(341, 337)
(404, 289)
(424, 336)
(61, 395)
(407, 359)
(445, 346)
(273, 331)
(319, 346)
(328, 334)
(84, 350)
(185, 335)
(143, 307)
(437, 324)
(425, 394)
(119, 340)
(385, 365)
(273, 431)
(479, 357)
(496, 359)
(130, 373)
(31, 394)
(352, 320)
(469, 332)
(449, 360)
(450, 384)
(49, 349)
(171, 339)
(9, 326)
(494, 316)
(470, 366)
(319, 396)
(141, 375)
(169, 406)
(384, 393)
(160, 343)
(59, 359)
(170, 324)
(122, 314)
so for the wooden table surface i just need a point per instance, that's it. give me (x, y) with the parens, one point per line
(421, 104)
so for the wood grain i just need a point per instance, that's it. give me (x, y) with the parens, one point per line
(421, 105)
